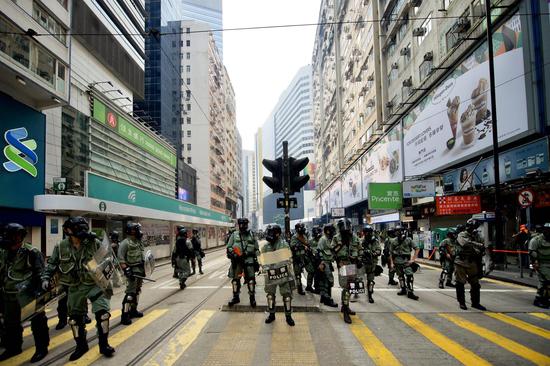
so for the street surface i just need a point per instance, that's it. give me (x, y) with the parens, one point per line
(192, 327)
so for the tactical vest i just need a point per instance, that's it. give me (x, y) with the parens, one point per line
(402, 248)
(71, 262)
(18, 270)
(543, 250)
(134, 252)
(247, 246)
(467, 250)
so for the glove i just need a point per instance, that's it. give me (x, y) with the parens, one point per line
(128, 272)
(46, 285)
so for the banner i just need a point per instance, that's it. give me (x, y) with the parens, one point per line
(454, 121)
(382, 163)
(385, 196)
(352, 190)
(457, 205)
(335, 195)
(418, 188)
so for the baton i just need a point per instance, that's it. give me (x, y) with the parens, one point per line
(143, 278)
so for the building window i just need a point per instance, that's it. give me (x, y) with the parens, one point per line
(188, 81)
(187, 30)
(478, 8)
(188, 43)
(451, 38)
(173, 44)
(188, 120)
(188, 133)
(188, 106)
(425, 69)
(188, 147)
(188, 55)
(188, 68)
(48, 22)
(181, 43)
(188, 158)
(427, 25)
(392, 75)
(187, 94)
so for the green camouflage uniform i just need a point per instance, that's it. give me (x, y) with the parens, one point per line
(299, 259)
(387, 254)
(284, 289)
(345, 253)
(247, 264)
(17, 268)
(326, 282)
(401, 254)
(371, 251)
(539, 251)
(468, 249)
(130, 252)
(447, 260)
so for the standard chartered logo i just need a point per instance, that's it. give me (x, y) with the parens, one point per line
(20, 152)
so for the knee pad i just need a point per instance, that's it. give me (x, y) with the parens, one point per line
(271, 301)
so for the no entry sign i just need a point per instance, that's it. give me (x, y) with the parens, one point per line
(526, 198)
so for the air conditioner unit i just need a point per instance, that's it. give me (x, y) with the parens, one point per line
(407, 83)
(419, 32)
(428, 56)
(415, 3)
(395, 65)
(405, 51)
(462, 25)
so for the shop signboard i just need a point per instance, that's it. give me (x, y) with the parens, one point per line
(514, 163)
(418, 188)
(457, 205)
(22, 153)
(127, 130)
(454, 121)
(385, 196)
(335, 194)
(382, 163)
(543, 199)
(338, 212)
(352, 190)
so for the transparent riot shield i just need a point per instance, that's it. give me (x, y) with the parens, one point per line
(148, 262)
(102, 266)
(349, 278)
(33, 301)
(277, 267)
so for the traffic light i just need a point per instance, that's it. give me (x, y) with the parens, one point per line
(295, 167)
(275, 182)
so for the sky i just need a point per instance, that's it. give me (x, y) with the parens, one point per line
(262, 63)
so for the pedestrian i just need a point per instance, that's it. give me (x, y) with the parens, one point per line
(326, 269)
(180, 257)
(273, 236)
(539, 252)
(20, 267)
(299, 245)
(405, 266)
(197, 250)
(68, 259)
(371, 250)
(243, 251)
(130, 257)
(346, 247)
(468, 251)
(446, 257)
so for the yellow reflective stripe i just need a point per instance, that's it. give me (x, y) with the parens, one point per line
(170, 353)
(376, 350)
(508, 344)
(93, 354)
(541, 315)
(521, 324)
(461, 354)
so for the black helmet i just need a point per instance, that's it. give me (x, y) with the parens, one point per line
(14, 233)
(368, 229)
(472, 224)
(316, 231)
(179, 227)
(134, 228)
(451, 233)
(271, 231)
(300, 228)
(78, 226)
(391, 232)
(114, 236)
(460, 228)
(243, 224)
(183, 232)
(344, 225)
(329, 230)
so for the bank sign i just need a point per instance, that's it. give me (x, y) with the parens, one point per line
(22, 148)
(385, 196)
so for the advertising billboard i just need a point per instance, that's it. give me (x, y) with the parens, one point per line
(335, 195)
(352, 191)
(382, 163)
(454, 121)
(418, 188)
(22, 153)
(385, 196)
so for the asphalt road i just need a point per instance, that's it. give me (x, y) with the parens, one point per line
(192, 327)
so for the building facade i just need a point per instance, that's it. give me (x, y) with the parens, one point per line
(250, 185)
(209, 12)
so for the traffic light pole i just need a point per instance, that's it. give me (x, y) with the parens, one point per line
(286, 189)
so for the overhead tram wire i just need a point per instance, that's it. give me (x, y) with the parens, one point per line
(261, 27)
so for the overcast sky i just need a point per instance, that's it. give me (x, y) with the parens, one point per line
(261, 63)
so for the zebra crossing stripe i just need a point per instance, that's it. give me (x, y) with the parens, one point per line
(541, 315)
(521, 324)
(376, 350)
(461, 354)
(506, 343)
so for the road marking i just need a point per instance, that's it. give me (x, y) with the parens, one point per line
(492, 280)
(508, 344)
(174, 280)
(192, 287)
(115, 340)
(292, 345)
(27, 331)
(541, 315)
(217, 273)
(521, 324)
(376, 350)
(179, 343)
(54, 342)
(461, 354)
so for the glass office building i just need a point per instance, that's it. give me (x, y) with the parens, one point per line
(207, 11)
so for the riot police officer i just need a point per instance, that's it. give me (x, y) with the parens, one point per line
(326, 256)
(68, 259)
(197, 251)
(400, 249)
(243, 250)
(180, 257)
(316, 234)
(446, 257)
(539, 252)
(130, 257)
(20, 266)
(386, 256)
(468, 251)
(346, 247)
(299, 245)
(371, 250)
(114, 236)
(275, 242)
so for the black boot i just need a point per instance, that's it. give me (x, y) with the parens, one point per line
(61, 324)
(134, 313)
(235, 300)
(288, 311)
(182, 284)
(251, 285)
(350, 312)
(39, 326)
(270, 318)
(403, 287)
(475, 295)
(79, 334)
(410, 288)
(102, 320)
(309, 289)
(391, 281)
(539, 301)
(125, 318)
(346, 312)
(441, 283)
(253, 301)
(200, 269)
(193, 264)
(461, 296)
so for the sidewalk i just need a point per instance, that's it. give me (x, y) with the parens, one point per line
(500, 275)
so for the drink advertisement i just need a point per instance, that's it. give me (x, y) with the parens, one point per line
(454, 121)
(335, 195)
(351, 185)
(382, 163)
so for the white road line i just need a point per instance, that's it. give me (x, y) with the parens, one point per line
(163, 283)
(194, 287)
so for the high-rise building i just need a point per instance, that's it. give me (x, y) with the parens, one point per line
(250, 186)
(209, 12)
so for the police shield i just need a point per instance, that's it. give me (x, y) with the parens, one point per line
(32, 301)
(347, 274)
(149, 263)
(102, 266)
(277, 266)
